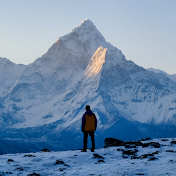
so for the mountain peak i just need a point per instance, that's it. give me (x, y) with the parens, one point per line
(86, 23)
(83, 30)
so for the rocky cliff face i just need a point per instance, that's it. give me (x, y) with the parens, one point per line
(82, 68)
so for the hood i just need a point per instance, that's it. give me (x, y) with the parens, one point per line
(89, 113)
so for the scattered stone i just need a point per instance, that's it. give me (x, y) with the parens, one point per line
(130, 146)
(124, 156)
(109, 142)
(147, 139)
(134, 143)
(98, 156)
(8, 172)
(135, 157)
(164, 140)
(145, 155)
(154, 144)
(19, 168)
(29, 155)
(119, 149)
(34, 174)
(10, 160)
(45, 150)
(171, 151)
(173, 142)
(130, 152)
(100, 161)
(59, 162)
(171, 161)
(155, 153)
(152, 158)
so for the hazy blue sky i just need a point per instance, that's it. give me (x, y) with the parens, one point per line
(145, 30)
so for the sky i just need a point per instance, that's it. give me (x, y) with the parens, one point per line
(144, 30)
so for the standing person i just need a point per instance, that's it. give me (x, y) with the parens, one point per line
(89, 125)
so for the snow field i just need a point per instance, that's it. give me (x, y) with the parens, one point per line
(108, 162)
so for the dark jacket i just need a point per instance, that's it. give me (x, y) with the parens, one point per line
(91, 121)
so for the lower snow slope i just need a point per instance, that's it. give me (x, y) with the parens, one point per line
(110, 161)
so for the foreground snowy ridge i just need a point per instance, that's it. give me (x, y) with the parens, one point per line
(154, 160)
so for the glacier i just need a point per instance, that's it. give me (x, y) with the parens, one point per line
(41, 104)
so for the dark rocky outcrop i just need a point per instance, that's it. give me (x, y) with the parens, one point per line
(173, 142)
(110, 142)
(98, 156)
(145, 155)
(100, 161)
(20, 168)
(147, 139)
(154, 144)
(10, 160)
(171, 151)
(59, 162)
(34, 174)
(45, 150)
(164, 139)
(130, 152)
(152, 158)
(29, 155)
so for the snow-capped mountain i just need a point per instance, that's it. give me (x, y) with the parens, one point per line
(172, 77)
(42, 103)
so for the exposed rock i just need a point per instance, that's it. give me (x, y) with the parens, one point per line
(152, 158)
(147, 139)
(119, 149)
(130, 152)
(164, 140)
(173, 142)
(20, 168)
(59, 162)
(154, 153)
(10, 160)
(124, 156)
(34, 174)
(45, 150)
(8, 172)
(135, 157)
(98, 156)
(100, 161)
(154, 144)
(145, 155)
(109, 142)
(130, 146)
(29, 155)
(171, 151)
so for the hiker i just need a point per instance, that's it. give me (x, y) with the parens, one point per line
(89, 124)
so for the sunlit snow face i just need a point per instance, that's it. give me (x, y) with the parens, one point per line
(96, 62)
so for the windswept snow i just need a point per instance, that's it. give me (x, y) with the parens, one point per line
(105, 162)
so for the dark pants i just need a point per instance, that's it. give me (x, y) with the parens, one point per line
(91, 134)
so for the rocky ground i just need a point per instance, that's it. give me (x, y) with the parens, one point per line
(144, 157)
